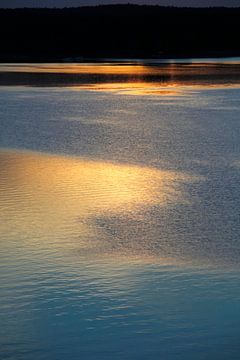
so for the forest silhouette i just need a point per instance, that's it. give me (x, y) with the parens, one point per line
(118, 31)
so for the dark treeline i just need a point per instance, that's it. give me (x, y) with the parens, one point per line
(118, 31)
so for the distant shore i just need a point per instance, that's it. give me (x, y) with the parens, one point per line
(118, 31)
(163, 59)
(204, 57)
(208, 56)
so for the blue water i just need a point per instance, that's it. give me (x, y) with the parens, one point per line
(120, 220)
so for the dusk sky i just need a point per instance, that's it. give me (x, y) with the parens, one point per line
(69, 3)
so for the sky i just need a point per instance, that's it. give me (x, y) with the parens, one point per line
(69, 3)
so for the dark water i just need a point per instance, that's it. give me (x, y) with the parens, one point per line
(119, 199)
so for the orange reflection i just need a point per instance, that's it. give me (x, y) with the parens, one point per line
(50, 198)
(127, 68)
(90, 186)
(140, 78)
(135, 88)
(86, 68)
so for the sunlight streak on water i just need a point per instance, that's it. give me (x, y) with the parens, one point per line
(135, 74)
(43, 195)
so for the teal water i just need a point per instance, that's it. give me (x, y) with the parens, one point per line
(119, 209)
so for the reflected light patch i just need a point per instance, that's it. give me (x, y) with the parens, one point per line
(86, 68)
(135, 76)
(135, 88)
(47, 198)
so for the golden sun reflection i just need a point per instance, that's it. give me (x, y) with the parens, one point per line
(135, 88)
(135, 78)
(86, 68)
(49, 197)
(89, 186)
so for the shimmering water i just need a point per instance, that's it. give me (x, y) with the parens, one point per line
(119, 200)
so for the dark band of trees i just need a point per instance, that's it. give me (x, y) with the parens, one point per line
(128, 31)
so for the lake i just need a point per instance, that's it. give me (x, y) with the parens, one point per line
(120, 210)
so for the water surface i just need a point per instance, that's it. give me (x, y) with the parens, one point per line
(120, 211)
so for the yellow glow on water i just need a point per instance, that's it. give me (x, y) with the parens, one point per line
(133, 78)
(127, 68)
(51, 197)
(99, 185)
(86, 68)
(135, 88)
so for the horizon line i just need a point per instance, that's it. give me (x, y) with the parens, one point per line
(118, 5)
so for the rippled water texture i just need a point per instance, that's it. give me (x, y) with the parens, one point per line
(119, 201)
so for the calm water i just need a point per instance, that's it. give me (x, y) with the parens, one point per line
(120, 211)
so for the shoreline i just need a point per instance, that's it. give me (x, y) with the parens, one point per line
(118, 31)
(124, 59)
